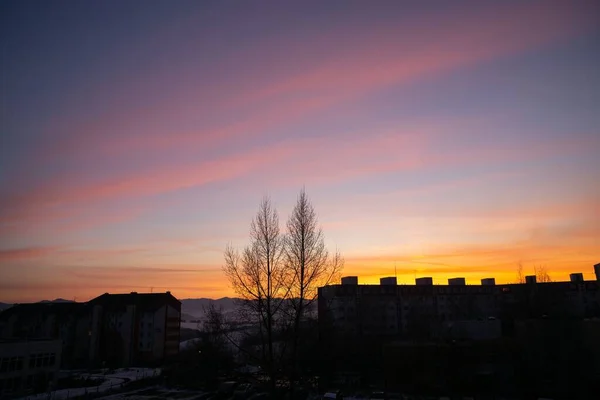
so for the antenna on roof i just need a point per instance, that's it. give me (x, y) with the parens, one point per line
(151, 289)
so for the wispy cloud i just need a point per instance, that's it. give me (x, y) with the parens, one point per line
(26, 253)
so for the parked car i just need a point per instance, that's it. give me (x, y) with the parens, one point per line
(260, 396)
(378, 395)
(333, 395)
(243, 391)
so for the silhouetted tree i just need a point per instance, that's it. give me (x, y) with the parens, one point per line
(541, 274)
(215, 350)
(520, 275)
(310, 266)
(258, 276)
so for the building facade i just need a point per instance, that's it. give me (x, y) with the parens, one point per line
(68, 322)
(462, 337)
(28, 366)
(134, 329)
(425, 310)
(112, 329)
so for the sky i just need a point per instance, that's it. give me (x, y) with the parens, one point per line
(434, 138)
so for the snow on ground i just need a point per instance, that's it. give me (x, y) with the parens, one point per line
(111, 381)
(191, 325)
(157, 392)
(188, 344)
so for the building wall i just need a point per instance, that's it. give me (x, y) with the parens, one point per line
(424, 311)
(172, 332)
(158, 332)
(28, 365)
(128, 333)
(116, 330)
(95, 332)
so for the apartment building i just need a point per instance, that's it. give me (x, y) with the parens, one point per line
(68, 322)
(425, 310)
(28, 366)
(477, 335)
(135, 328)
(112, 329)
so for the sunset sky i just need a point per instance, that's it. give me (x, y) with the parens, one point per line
(449, 138)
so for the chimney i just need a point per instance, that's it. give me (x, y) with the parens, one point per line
(456, 281)
(425, 281)
(133, 293)
(597, 271)
(488, 282)
(168, 292)
(576, 277)
(350, 280)
(388, 281)
(530, 279)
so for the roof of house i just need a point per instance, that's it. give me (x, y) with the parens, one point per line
(149, 301)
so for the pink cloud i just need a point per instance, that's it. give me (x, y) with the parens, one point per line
(8, 255)
(435, 45)
(288, 160)
(361, 62)
(287, 163)
(157, 179)
(432, 45)
(63, 253)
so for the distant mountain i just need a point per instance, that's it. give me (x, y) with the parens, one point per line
(188, 317)
(59, 300)
(195, 307)
(4, 306)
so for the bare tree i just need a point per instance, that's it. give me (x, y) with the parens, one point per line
(309, 263)
(214, 348)
(520, 275)
(213, 326)
(258, 276)
(541, 274)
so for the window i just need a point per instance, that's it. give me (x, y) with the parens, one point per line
(13, 364)
(52, 359)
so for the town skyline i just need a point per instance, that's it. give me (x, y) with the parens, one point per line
(433, 140)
